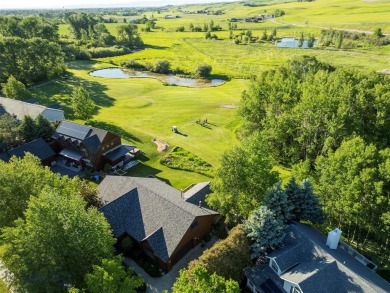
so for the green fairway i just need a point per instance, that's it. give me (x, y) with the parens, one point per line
(141, 109)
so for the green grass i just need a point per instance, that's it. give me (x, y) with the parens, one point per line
(181, 159)
(141, 109)
(186, 49)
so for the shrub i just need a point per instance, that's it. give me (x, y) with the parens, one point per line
(228, 257)
(203, 70)
(101, 52)
(161, 66)
(180, 29)
(132, 64)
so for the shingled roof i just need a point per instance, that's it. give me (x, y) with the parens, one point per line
(37, 147)
(20, 109)
(148, 209)
(305, 260)
(92, 137)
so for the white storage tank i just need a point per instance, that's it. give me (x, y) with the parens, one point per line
(333, 238)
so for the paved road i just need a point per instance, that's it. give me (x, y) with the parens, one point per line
(157, 285)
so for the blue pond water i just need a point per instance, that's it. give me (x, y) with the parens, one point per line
(169, 79)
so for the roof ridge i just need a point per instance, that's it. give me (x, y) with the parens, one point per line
(154, 232)
(29, 104)
(166, 198)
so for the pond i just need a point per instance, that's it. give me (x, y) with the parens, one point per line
(169, 79)
(293, 43)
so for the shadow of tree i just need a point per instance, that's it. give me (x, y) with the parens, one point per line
(114, 129)
(81, 65)
(62, 90)
(148, 46)
(143, 170)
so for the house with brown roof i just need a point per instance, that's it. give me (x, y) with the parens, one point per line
(155, 215)
(87, 146)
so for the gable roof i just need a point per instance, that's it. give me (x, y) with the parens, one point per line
(37, 147)
(322, 277)
(149, 210)
(318, 267)
(197, 193)
(92, 137)
(20, 109)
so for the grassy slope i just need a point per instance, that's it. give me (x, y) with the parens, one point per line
(141, 109)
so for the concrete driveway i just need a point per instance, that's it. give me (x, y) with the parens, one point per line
(157, 285)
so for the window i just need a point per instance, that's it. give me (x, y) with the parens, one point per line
(274, 266)
(295, 290)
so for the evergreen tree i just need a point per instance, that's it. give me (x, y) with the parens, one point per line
(266, 231)
(276, 200)
(44, 128)
(311, 208)
(28, 129)
(294, 196)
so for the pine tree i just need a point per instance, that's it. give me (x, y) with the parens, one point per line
(311, 208)
(294, 196)
(44, 127)
(264, 230)
(28, 129)
(277, 201)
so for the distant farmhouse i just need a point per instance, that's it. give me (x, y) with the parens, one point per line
(305, 264)
(162, 220)
(19, 109)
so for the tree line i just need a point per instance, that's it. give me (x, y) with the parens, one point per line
(331, 126)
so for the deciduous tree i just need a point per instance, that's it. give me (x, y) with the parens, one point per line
(15, 89)
(57, 243)
(82, 104)
(241, 181)
(199, 280)
(227, 258)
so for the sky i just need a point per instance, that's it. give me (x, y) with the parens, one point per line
(50, 4)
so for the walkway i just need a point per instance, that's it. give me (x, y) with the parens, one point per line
(157, 285)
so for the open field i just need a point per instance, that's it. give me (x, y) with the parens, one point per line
(141, 109)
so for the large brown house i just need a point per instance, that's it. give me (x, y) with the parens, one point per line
(160, 218)
(84, 145)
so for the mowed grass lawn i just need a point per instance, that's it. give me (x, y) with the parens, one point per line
(141, 109)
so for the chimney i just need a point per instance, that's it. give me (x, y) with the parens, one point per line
(200, 203)
(333, 238)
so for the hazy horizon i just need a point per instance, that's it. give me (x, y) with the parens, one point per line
(49, 4)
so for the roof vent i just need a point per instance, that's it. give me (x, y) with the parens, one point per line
(200, 203)
(333, 238)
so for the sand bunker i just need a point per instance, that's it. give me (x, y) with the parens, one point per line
(162, 146)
